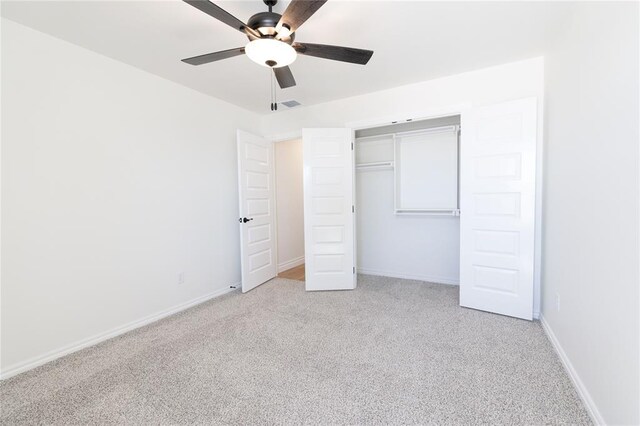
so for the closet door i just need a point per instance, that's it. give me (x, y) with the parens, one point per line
(328, 209)
(497, 204)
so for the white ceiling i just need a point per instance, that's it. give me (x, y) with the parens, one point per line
(413, 41)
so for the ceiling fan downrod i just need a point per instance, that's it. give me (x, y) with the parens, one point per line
(270, 3)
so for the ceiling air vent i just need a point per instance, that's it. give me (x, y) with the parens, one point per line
(291, 104)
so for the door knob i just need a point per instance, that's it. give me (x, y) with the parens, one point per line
(244, 220)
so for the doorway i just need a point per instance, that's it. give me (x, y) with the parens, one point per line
(289, 209)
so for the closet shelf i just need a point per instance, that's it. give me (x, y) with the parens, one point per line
(377, 165)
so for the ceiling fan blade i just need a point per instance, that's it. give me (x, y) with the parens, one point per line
(222, 15)
(215, 56)
(336, 53)
(299, 11)
(284, 77)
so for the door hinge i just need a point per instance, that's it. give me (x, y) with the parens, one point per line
(351, 146)
(354, 269)
(353, 209)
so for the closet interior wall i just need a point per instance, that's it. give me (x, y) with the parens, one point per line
(289, 202)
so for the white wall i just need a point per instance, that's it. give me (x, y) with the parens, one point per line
(113, 182)
(426, 248)
(290, 206)
(591, 213)
(485, 86)
(434, 97)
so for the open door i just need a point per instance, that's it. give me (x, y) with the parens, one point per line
(256, 187)
(329, 209)
(497, 220)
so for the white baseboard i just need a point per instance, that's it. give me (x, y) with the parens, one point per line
(591, 407)
(431, 279)
(39, 360)
(284, 266)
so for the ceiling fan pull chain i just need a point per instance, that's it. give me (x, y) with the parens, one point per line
(271, 88)
(274, 102)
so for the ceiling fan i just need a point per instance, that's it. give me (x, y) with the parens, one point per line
(271, 39)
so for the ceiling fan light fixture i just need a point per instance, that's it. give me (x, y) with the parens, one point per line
(283, 31)
(267, 31)
(270, 53)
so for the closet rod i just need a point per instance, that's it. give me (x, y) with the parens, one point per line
(375, 164)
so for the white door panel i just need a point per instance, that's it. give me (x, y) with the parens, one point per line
(328, 209)
(497, 221)
(256, 186)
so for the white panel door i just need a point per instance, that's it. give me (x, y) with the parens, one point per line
(329, 209)
(497, 203)
(256, 186)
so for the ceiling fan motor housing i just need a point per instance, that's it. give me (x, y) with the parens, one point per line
(265, 23)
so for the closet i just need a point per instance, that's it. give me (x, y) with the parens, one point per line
(407, 200)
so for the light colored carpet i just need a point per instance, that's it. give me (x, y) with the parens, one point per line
(392, 351)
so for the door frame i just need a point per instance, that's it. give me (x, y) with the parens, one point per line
(462, 110)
